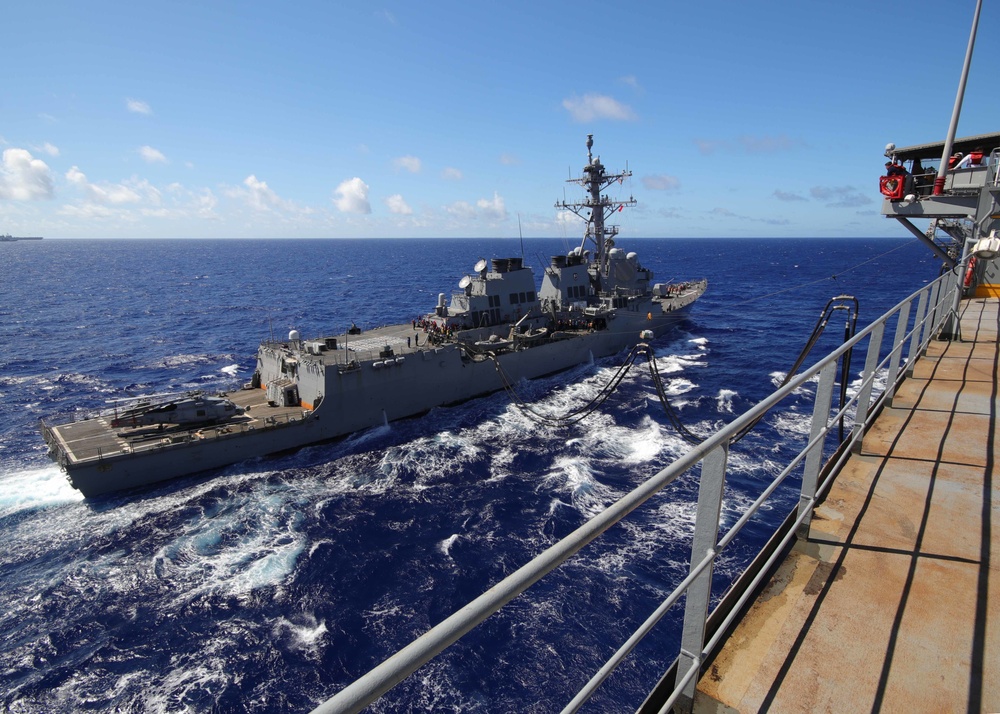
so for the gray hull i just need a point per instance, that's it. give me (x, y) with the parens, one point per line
(353, 400)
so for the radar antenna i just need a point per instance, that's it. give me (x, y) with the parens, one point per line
(596, 209)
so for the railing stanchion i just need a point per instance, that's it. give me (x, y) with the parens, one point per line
(902, 321)
(916, 347)
(814, 459)
(867, 381)
(930, 325)
(706, 535)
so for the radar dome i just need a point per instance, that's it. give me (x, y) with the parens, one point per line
(293, 335)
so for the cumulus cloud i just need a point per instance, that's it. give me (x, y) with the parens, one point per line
(661, 182)
(597, 106)
(492, 208)
(49, 149)
(23, 177)
(486, 208)
(408, 163)
(259, 195)
(351, 196)
(461, 209)
(205, 203)
(137, 106)
(396, 204)
(452, 174)
(152, 155)
(567, 218)
(113, 194)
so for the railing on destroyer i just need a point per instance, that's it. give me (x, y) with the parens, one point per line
(934, 306)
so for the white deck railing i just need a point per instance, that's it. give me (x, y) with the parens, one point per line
(914, 322)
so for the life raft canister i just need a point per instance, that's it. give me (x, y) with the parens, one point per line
(892, 187)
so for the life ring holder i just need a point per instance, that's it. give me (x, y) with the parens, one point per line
(892, 187)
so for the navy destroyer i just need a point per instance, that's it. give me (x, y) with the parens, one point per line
(497, 329)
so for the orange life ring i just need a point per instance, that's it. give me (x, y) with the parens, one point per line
(892, 187)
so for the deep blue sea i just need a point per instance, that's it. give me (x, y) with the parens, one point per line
(269, 585)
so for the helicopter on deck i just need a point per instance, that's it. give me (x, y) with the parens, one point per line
(191, 410)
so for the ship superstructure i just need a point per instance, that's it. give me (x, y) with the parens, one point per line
(961, 202)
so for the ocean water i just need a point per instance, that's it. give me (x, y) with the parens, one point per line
(269, 585)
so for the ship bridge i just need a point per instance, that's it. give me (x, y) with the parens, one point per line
(966, 207)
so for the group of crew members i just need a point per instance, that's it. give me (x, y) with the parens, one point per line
(955, 161)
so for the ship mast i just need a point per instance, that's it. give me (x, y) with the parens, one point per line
(597, 209)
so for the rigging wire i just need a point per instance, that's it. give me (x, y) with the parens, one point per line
(838, 303)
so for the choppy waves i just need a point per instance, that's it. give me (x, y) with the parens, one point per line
(270, 584)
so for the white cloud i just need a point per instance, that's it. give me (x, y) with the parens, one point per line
(462, 209)
(151, 155)
(205, 204)
(493, 209)
(408, 163)
(509, 160)
(23, 177)
(108, 193)
(351, 196)
(396, 204)
(452, 174)
(597, 106)
(137, 106)
(567, 218)
(661, 182)
(49, 149)
(259, 195)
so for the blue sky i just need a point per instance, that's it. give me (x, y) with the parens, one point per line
(452, 119)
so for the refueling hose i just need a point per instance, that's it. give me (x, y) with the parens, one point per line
(846, 303)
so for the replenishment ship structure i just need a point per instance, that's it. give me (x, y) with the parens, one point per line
(496, 330)
(954, 184)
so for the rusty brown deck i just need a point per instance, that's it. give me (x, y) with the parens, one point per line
(892, 604)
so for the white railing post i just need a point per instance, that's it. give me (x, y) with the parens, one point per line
(915, 344)
(932, 312)
(902, 320)
(867, 381)
(706, 535)
(814, 459)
